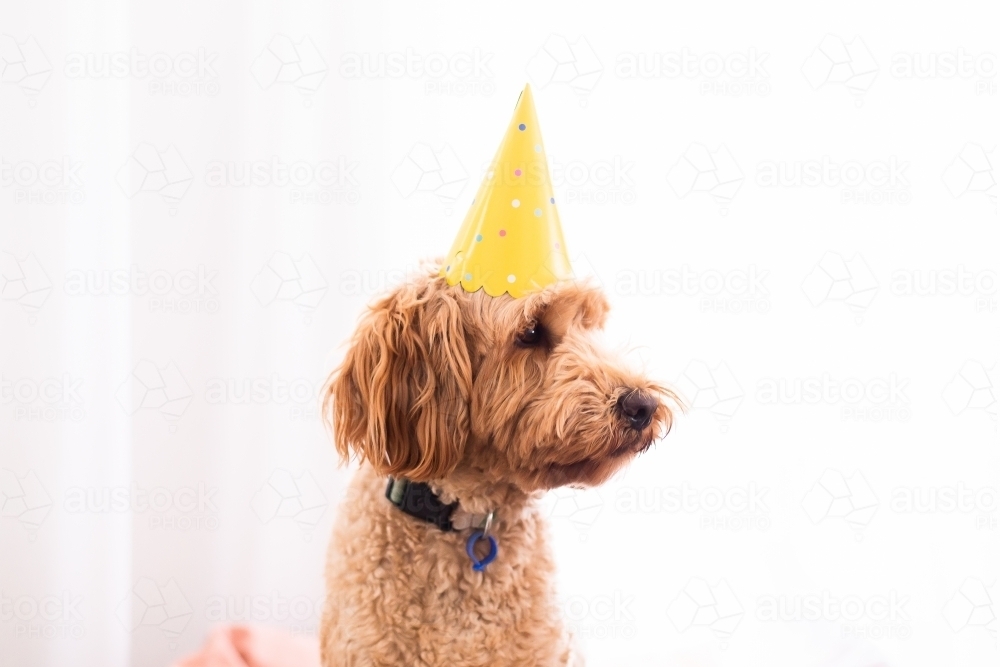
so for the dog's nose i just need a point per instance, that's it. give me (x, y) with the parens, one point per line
(637, 408)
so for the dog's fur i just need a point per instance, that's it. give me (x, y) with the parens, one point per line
(442, 386)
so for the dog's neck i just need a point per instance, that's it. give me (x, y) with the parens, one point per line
(478, 494)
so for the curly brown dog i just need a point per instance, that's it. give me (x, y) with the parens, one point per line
(491, 401)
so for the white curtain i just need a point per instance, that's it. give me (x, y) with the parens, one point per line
(197, 200)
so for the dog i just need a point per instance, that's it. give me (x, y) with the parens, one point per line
(487, 402)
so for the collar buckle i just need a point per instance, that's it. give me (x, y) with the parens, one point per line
(417, 500)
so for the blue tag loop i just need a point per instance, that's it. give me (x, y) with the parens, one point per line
(480, 565)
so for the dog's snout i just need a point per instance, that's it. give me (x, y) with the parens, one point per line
(637, 408)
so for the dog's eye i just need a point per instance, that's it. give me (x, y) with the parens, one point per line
(531, 336)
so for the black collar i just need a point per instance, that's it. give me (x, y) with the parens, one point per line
(417, 500)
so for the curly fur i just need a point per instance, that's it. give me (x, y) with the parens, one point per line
(437, 386)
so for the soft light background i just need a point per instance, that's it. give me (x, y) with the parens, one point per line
(162, 463)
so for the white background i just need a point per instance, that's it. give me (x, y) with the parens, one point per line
(660, 174)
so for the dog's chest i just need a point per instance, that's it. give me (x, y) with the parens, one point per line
(402, 592)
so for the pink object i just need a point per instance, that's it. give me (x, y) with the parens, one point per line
(254, 646)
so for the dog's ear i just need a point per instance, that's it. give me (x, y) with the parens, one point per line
(400, 400)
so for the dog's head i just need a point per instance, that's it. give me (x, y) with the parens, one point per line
(438, 380)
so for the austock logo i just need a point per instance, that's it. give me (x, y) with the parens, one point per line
(50, 616)
(152, 387)
(980, 287)
(836, 62)
(302, 396)
(371, 282)
(974, 387)
(23, 64)
(150, 170)
(701, 170)
(713, 389)
(734, 291)
(47, 182)
(24, 281)
(186, 291)
(980, 502)
(835, 496)
(714, 607)
(285, 496)
(973, 607)
(284, 61)
(183, 508)
(973, 171)
(876, 399)
(459, 73)
(735, 508)
(871, 182)
(24, 499)
(149, 605)
(284, 278)
(300, 613)
(437, 172)
(46, 400)
(734, 74)
(882, 616)
(561, 62)
(606, 616)
(981, 67)
(181, 74)
(580, 507)
(321, 182)
(835, 279)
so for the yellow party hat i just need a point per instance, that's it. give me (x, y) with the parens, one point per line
(511, 240)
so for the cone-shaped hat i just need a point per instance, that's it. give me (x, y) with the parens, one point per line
(511, 240)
